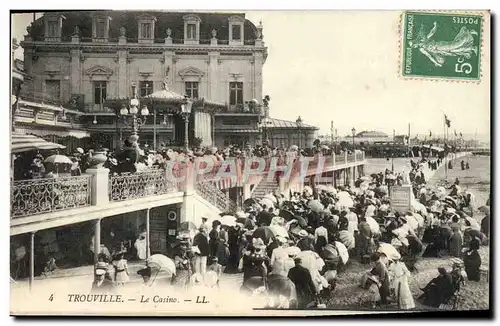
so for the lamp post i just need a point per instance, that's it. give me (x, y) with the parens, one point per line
(185, 113)
(393, 144)
(299, 126)
(353, 130)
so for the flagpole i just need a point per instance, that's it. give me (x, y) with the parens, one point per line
(445, 154)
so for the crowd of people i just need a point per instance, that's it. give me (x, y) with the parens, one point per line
(291, 247)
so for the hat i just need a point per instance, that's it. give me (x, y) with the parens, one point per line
(101, 268)
(258, 243)
(183, 237)
(293, 251)
(100, 272)
(303, 233)
(297, 260)
(79, 150)
(113, 161)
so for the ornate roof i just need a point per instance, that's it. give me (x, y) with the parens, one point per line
(129, 20)
(278, 123)
(371, 133)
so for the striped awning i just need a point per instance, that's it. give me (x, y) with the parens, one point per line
(59, 133)
(22, 143)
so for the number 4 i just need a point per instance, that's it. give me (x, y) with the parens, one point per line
(51, 297)
(459, 67)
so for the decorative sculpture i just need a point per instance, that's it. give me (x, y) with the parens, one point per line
(214, 33)
(76, 31)
(123, 31)
(169, 33)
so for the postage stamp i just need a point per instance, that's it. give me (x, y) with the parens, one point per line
(442, 45)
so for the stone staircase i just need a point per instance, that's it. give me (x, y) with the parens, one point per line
(208, 191)
(264, 187)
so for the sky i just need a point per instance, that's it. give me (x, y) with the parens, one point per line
(342, 66)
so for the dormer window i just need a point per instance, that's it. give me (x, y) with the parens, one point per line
(53, 26)
(146, 29)
(236, 24)
(100, 28)
(191, 29)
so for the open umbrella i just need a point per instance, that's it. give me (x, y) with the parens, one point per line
(266, 201)
(315, 206)
(162, 263)
(228, 220)
(271, 197)
(374, 226)
(389, 251)
(302, 221)
(329, 252)
(343, 252)
(58, 159)
(241, 220)
(264, 232)
(311, 260)
(279, 231)
(187, 226)
(250, 201)
(286, 214)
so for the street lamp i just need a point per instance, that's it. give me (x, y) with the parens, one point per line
(185, 113)
(353, 130)
(299, 126)
(393, 143)
(130, 115)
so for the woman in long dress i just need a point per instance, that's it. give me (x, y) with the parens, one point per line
(399, 274)
(456, 239)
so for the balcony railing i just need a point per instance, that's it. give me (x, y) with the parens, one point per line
(39, 97)
(37, 196)
(210, 192)
(139, 185)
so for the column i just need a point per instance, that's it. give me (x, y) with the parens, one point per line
(148, 237)
(257, 82)
(32, 259)
(246, 191)
(75, 72)
(97, 240)
(99, 185)
(123, 79)
(213, 78)
(335, 175)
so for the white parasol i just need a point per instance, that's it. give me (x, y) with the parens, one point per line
(389, 251)
(343, 252)
(374, 226)
(162, 263)
(228, 220)
(58, 159)
(279, 231)
(266, 201)
(311, 260)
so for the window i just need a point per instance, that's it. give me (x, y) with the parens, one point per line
(53, 89)
(100, 29)
(235, 93)
(191, 31)
(236, 32)
(192, 89)
(99, 92)
(146, 30)
(145, 88)
(52, 28)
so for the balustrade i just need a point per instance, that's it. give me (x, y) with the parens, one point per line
(140, 184)
(37, 196)
(209, 192)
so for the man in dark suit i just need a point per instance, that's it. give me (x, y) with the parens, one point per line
(264, 217)
(301, 277)
(200, 259)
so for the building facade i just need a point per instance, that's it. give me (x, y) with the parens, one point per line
(81, 59)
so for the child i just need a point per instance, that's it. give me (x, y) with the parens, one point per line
(121, 269)
(215, 266)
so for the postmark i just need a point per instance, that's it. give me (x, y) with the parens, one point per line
(441, 45)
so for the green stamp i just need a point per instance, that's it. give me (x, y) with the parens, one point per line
(439, 45)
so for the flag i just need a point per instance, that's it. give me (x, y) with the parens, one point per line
(455, 133)
(430, 134)
(461, 135)
(447, 121)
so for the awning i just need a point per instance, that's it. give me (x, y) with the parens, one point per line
(238, 131)
(21, 142)
(60, 133)
(434, 148)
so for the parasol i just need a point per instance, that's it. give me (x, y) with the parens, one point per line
(241, 220)
(315, 206)
(264, 232)
(412, 221)
(294, 148)
(286, 214)
(311, 260)
(187, 226)
(343, 252)
(266, 201)
(161, 263)
(279, 231)
(250, 201)
(329, 252)
(374, 226)
(365, 178)
(228, 220)
(58, 159)
(389, 251)
(325, 147)
(381, 191)
(271, 197)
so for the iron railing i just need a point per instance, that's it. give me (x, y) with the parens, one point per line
(37, 196)
(139, 185)
(209, 191)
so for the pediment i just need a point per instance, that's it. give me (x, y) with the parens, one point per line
(191, 17)
(236, 19)
(191, 72)
(99, 71)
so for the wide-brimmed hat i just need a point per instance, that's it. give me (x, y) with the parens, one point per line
(79, 150)
(303, 233)
(146, 271)
(258, 243)
(101, 268)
